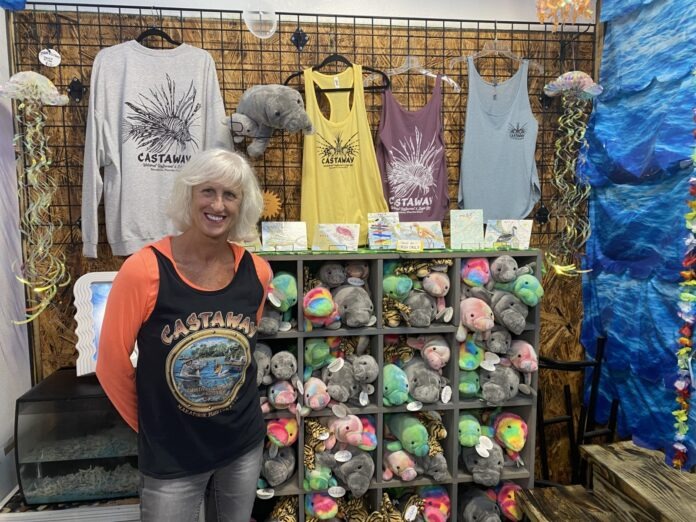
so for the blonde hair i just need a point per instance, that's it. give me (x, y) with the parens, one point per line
(220, 166)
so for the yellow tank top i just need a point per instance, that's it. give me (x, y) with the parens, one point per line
(340, 176)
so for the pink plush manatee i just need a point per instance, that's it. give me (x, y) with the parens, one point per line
(507, 501)
(523, 357)
(511, 432)
(475, 316)
(399, 464)
(345, 431)
(281, 396)
(316, 394)
(434, 349)
(476, 272)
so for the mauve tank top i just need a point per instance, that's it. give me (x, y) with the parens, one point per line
(498, 170)
(411, 157)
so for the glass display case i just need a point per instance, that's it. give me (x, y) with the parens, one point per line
(71, 444)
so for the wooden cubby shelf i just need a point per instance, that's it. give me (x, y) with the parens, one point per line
(523, 405)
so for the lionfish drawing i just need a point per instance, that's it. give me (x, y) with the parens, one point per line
(159, 121)
(339, 150)
(411, 169)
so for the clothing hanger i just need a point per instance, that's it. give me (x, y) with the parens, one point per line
(412, 64)
(497, 47)
(338, 58)
(156, 31)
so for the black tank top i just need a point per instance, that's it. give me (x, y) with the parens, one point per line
(198, 404)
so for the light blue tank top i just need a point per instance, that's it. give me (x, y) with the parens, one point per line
(498, 168)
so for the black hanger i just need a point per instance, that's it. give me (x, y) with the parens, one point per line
(155, 31)
(338, 58)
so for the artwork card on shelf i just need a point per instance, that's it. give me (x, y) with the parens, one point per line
(502, 234)
(466, 229)
(380, 230)
(91, 291)
(336, 237)
(279, 236)
(252, 245)
(428, 232)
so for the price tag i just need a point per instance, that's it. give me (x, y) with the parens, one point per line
(324, 436)
(409, 245)
(355, 281)
(273, 299)
(339, 410)
(336, 365)
(265, 493)
(49, 57)
(343, 456)
(300, 387)
(284, 326)
(337, 492)
(411, 514)
(446, 394)
(414, 406)
(364, 399)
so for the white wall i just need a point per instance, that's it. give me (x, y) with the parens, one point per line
(507, 10)
(15, 373)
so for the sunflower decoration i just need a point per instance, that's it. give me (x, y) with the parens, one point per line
(271, 205)
(577, 89)
(563, 11)
(43, 271)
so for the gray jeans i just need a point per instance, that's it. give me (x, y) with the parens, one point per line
(230, 493)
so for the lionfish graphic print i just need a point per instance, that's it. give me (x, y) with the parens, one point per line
(411, 168)
(336, 151)
(159, 121)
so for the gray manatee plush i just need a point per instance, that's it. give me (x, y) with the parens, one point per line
(264, 108)
(424, 384)
(262, 356)
(423, 309)
(270, 321)
(354, 306)
(509, 311)
(486, 471)
(331, 274)
(499, 340)
(357, 472)
(284, 367)
(435, 467)
(341, 385)
(365, 368)
(476, 506)
(500, 385)
(280, 468)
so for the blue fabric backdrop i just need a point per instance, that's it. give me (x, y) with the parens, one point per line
(639, 138)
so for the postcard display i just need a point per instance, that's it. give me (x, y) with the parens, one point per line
(522, 405)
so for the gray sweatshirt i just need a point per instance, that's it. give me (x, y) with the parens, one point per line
(150, 110)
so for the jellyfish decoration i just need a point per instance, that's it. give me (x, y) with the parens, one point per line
(560, 12)
(577, 89)
(43, 271)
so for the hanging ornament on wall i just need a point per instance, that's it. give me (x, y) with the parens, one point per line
(43, 271)
(271, 205)
(577, 90)
(560, 12)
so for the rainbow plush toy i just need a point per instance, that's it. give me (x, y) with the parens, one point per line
(507, 501)
(321, 506)
(510, 431)
(476, 272)
(470, 354)
(320, 309)
(437, 503)
(282, 432)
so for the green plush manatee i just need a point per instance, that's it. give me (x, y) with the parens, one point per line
(469, 384)
(410, 432)
(526, 288)
(470, 354)
(319, 478)
(317, 355)
(395, 387)
(469, 430)
(397, 286)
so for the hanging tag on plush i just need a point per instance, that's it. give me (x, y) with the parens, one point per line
(336, 492)
(411, 513)
(49, 57)
(343, 456)
(265, 493)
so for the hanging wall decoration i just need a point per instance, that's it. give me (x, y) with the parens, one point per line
(560, 12)
(577, 90)
(687, 313)
(43, 271)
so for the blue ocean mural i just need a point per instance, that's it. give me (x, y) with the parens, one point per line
(640, 140)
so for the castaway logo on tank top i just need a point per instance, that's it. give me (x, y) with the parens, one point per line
(336, 151)
(206, 368)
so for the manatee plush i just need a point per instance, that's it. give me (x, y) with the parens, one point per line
(341, 383)
(509, 311)
(424, 384)
(264, 108)
(434, 466)
(284, 367)
(331, 274)
(485, 470)
(280, 468)
(498, 341)
(469, 384)
(474, 316)
(395, 385)
(399, 464)
(434, 349)
(423, 309)
(270, 321)
(410, 432)
(262, 356)
(476, 506)
(354, 306)
(500, 385)
(357, 472)
(526, 288)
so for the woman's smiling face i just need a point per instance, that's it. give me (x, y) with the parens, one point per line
(215, 208)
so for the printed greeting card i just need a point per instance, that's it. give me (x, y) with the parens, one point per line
(502, 234)
(336, 236)
(380, 230)
(466, 229)
(284, 235)
(428, 232)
